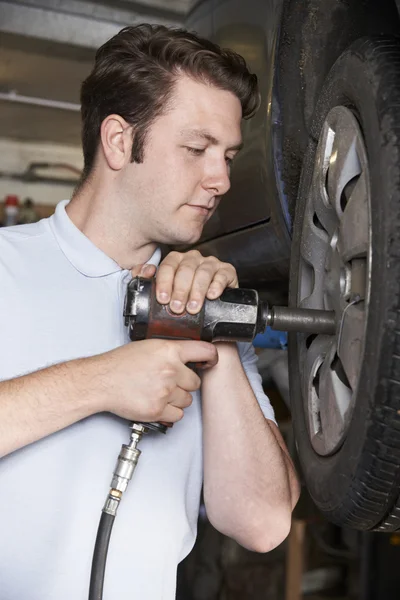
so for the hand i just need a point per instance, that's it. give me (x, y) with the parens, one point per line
(184, 280)
(149, 380)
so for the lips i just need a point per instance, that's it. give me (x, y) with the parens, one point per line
(201, 210)
(206, 207)
(205, 210)
(209, 208)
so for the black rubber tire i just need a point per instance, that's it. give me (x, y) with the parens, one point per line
(359, 485)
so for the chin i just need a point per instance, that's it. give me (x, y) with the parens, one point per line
(183, 238)
(194, 237)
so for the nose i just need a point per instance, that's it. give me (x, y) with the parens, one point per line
(218, 179)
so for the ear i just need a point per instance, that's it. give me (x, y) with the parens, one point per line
(116, 141)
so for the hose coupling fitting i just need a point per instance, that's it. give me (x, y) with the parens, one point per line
(124, 469)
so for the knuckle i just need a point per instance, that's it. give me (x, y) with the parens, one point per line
(179, 291)
(164, 270)
(163, 393)
(186, 268)
(168, 351)
(179, 415)
(182, 287)
(220, 281)
(206, 269)
(168, 375)
(173, 260)
(154, 410)
(194, 253)
(223, 273)
(223, 277)
(228, 266)
(179, 295)
(212, 260)
(196, 383)
(188, 399)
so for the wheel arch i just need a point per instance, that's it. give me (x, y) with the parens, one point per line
(313, 35)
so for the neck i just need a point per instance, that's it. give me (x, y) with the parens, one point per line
(93, 209)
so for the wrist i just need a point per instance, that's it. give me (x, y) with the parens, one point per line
(227, 350)
(228, 358)
(90, 394)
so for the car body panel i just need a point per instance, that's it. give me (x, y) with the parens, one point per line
(254, 203)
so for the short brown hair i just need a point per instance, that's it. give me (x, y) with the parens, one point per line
(134, 75)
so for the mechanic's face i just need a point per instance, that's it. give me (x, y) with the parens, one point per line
(187, 157)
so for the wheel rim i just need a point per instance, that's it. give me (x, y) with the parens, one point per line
(335, 274)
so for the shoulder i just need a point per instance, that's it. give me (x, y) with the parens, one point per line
(19, 233)
(17, 238)
(22, 245)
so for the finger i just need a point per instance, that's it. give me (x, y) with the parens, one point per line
(182, 285)
(187, 379)
(191, 351)
(165, 276)
(180, 398)
(171, 414)
(203, 277)
(136, 270)
(148, 270)
(144, 269)
(225, 277)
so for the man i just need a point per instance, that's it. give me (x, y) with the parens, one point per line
(161, 113)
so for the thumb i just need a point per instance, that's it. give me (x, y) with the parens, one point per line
(144, 270)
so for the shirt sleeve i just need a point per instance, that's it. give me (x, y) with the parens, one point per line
(249, 361)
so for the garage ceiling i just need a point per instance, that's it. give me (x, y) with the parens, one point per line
(46, 50)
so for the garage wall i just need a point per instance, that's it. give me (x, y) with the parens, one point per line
(15, 158)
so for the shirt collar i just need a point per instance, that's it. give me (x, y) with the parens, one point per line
(85, 256)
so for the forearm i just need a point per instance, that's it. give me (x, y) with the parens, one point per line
(250, 486)
(36, 405)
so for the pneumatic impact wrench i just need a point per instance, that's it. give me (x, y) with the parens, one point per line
(237, 316)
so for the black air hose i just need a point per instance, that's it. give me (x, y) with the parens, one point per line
(100, 556)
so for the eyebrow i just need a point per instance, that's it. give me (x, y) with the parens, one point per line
(205, 135)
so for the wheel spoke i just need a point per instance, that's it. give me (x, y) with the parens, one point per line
(344, 164)
(351, 342)
(354, 225)
(325, 215)
(313, 358)
(312, 249)
(336, 398)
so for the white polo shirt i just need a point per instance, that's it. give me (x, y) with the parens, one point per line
(61, 298)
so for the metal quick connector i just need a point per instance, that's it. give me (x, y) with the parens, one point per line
(127, 461)
(124, 469)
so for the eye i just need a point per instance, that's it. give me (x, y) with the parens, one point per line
(229, 160)
(195, 151)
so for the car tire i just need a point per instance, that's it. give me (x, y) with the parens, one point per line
(351, 467)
